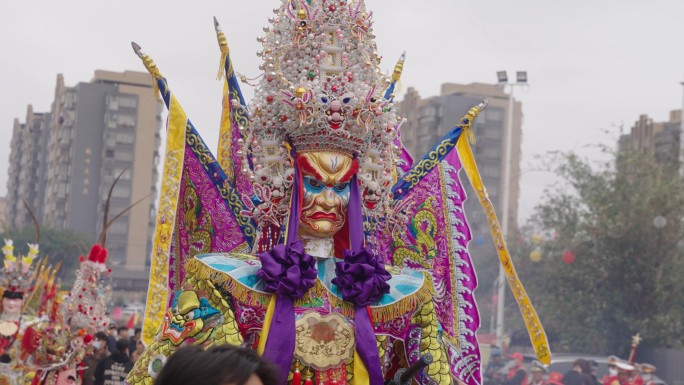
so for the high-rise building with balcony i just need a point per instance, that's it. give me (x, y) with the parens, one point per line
(429, 119)
(95, 131)
(26, 172)
(660, 140)
(3, 211)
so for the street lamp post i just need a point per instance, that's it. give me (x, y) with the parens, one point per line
(681, 136)
(521, 80)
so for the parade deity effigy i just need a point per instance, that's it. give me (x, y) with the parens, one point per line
(17, 279)
(313, 237)
(55, 351)
(45, 332)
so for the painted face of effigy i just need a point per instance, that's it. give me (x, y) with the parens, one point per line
(326, 177)
(67, 377)
(12, 306)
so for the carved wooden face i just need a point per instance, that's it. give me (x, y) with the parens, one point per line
(326, 177)
(12, 306)
(67, 377)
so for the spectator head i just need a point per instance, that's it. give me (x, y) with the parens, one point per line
(495, 353)
(555, 378)
(518, 357)
(219, 365)
(100, 342)
(582, 366)
(123, 332)
(112, 329)
(585, 366)
(122, 346)
(538, 371)
(647, 371)
(137, 333)
(624, 371)
(594, 367)
(612, 360)
(612, 368)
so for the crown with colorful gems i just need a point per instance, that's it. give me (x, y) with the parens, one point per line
(321, 90)
(17, 274)
(86, 304)
(53, 349)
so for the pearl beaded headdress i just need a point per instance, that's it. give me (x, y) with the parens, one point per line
(321, 90)
(17, 273)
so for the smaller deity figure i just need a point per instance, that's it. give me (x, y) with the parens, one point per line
(15, 280)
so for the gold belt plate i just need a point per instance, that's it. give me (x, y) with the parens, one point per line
(324, 342)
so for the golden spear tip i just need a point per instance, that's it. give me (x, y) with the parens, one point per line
(137, 49)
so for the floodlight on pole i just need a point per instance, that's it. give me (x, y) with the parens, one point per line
(521, 80)
(681, 142)
(503, 77)
(521, 76)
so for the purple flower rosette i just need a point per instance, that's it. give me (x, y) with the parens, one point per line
(361, 277)
(287, 270)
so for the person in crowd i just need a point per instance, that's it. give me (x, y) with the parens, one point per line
(593, 366)
(219, 365)
(133, 342)
(114, 369)
(112, 337)
(635, 376)
(496, 362)
(574, 376)
(538, 371)
(585, 373)
(517, 375)
(648, 373)
(99, 352)
(555, 378)
(624, 373)
(139, 350)
(498, 378)
(122, 333)
(612, 371)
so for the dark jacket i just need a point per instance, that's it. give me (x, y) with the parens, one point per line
(131, 346)
(113, 369)
(573, 377)
(111, 343)
(90, 362)
(517, 379)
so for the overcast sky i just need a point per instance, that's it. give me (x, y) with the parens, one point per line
(591, 64)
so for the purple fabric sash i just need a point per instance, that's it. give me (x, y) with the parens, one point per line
(288, 272)
(366, 344)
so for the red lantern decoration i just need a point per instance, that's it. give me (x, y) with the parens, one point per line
(568, 257)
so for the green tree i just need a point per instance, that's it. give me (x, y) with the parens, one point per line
(58, 245)
(628, 268)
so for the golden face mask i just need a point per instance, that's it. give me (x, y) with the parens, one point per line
(326, 178)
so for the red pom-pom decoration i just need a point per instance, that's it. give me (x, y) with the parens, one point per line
(568, 257)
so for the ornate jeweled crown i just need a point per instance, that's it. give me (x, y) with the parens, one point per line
(17, 273)
(86, 304)
(321, 90)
